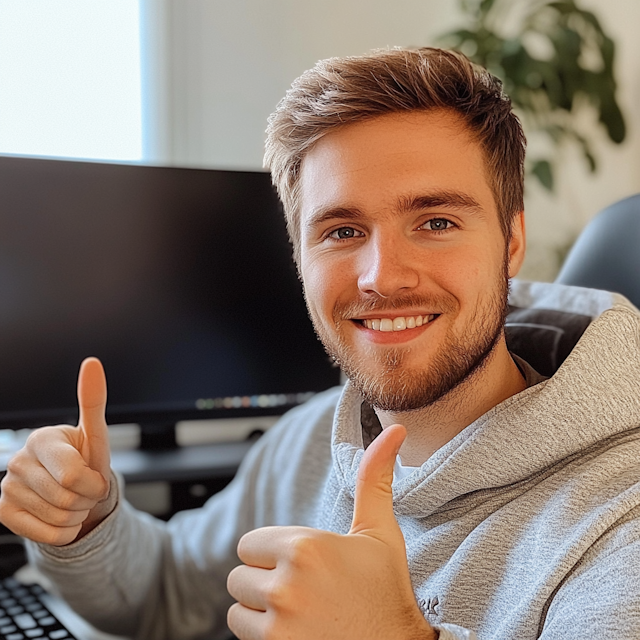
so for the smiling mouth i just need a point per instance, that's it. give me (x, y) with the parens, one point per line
(401, 323)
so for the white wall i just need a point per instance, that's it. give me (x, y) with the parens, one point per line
(228, 64)
(233, 61)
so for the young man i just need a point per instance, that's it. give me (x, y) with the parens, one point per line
(448, 490)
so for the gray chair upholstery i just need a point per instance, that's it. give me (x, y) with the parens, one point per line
(607, 253)
(543, 337)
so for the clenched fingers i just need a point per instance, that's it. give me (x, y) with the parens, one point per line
(266, 546)
(248, 624)
(53, 448)
(29, 501)
(251, 587)
(25, 524)
(23, 471)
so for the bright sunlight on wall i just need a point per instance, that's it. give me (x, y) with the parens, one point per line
(70, 78)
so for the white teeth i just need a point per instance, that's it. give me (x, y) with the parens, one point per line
(386, 324)
(398, 324)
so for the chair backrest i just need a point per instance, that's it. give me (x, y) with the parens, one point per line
(606, 255)
(544, 337)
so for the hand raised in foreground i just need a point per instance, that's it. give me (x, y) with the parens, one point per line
(55, 486)
(299, 582)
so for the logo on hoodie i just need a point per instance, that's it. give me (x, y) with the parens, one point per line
(429, 606)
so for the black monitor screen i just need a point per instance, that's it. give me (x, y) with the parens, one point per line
(180, 280)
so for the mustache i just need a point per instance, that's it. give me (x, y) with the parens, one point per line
(360, 306)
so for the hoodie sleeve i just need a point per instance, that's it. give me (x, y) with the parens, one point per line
(454, 632)
(137, 576)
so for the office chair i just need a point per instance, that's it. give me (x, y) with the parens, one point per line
(605, 256)
(607, 253)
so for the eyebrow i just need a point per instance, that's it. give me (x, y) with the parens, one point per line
(439, 200)
(323, 214)
(454, 200)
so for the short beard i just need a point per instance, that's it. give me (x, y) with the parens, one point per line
(395, 388)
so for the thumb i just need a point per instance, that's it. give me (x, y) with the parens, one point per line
(373, 508)
(92, 401)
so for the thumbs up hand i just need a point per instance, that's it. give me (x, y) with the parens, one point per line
(299, 582)
(56, 486)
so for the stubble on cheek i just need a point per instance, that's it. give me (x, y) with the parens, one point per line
(382, 375)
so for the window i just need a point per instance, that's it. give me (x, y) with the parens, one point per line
(70, 80)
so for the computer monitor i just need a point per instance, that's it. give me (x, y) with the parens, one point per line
(180, 280)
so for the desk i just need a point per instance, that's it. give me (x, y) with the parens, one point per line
(184, 463)
(165, 482)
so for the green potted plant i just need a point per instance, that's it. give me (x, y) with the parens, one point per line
(555, 61)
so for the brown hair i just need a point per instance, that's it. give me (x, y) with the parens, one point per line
(340, 91)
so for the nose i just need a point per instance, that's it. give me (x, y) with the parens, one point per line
(387, 267)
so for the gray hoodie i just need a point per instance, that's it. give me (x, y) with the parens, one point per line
(525, 525)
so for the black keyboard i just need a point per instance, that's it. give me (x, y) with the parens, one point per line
(23, 614)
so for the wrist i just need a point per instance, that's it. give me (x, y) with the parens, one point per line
(421, 630)
(101, 511)
(430, 634)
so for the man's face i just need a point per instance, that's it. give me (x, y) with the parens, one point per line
(403, 261)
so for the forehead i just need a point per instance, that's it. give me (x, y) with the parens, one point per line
(371, 164)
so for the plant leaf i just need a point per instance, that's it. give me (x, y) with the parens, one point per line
(611, 117)
(586, 149)
(542, 170)
(485, 6)
(459, 34)
(548, 93)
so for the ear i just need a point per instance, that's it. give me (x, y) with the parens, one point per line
(517, 244)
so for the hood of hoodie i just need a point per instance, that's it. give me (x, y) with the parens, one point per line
(594, 395)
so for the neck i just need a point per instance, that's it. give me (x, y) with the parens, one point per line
(431, 427)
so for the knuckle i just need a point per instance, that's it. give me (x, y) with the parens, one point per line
(16, 465)
(7, 502)
(38, 438)
(46, 437)
(6, 483)
(71, 477)
(68, 501)
(303, 549)
(279, 596)
(13, 490)
(61, 518)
